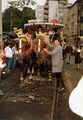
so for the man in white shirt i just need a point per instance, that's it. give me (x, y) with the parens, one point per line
(8, 55)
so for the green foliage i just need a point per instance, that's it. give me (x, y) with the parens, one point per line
(17, 14)
(18, 17)
(27, 14)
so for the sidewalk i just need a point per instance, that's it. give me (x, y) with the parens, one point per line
(72, 75)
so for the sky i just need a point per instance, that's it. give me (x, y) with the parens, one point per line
(40, 2)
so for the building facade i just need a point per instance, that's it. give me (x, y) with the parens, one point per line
(80, 17)
(54, 9)
(74, 24)
(39, 13)
(63, 10)
(46, 9)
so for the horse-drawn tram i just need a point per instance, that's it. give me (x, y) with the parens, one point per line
(35, 67)
(36, 64)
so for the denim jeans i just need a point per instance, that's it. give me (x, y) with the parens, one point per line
(13, 61)
(59, 80)
(8, 63)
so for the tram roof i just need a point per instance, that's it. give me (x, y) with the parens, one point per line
(46, 26)
(45, 23)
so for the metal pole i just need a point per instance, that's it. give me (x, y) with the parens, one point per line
(11, 22)
(0, 21)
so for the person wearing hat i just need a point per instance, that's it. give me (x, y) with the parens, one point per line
(57, 61)
(56, 33)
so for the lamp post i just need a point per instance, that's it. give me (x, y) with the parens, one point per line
(0, 21)
(11, 22)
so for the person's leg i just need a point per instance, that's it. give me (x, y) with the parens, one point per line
(64, 55)
(60, 82)
(25, 70)
(78, 66)
(69, 57)
(9, 63)
(33, 61)
(13, 61)
(57, 78)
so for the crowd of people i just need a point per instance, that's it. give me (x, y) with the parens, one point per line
(10, 53)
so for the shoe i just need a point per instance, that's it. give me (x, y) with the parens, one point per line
(30, 77)
(68, 62)
(62, 89)
(78, 68)
(1, 92)
(9, 70)
(3, 72)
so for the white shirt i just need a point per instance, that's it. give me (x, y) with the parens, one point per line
(8, 52)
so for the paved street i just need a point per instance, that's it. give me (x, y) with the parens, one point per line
(71, 74)
(34, 100)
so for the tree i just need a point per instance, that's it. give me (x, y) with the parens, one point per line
(27, 14)
(18, 17)
(18, 14)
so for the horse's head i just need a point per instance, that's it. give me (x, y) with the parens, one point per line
(41, 35)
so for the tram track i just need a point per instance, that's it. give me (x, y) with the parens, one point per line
(54, 105)
(9, 93)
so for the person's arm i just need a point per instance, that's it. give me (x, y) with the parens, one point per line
(54, 51)
(47, 41)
